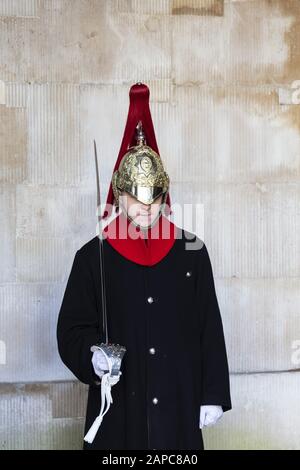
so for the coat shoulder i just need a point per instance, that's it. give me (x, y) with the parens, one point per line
(89, 248)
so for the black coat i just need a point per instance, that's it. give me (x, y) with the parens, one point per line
(183, 324)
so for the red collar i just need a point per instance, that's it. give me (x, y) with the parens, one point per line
(146, 248)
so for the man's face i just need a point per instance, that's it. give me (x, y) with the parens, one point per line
(142, 215)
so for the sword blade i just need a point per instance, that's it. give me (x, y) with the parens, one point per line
(101, 250)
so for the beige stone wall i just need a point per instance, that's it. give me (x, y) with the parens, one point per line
(224, 81)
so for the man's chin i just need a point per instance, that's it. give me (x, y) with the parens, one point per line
(144, 222)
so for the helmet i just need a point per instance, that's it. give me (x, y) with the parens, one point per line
(141, 173)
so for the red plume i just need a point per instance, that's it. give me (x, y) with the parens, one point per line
(138, 110)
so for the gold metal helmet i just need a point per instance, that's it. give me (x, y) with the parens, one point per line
(141, 173)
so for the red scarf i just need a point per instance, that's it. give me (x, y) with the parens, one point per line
(146, 247)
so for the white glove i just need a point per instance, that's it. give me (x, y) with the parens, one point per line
(209, 415)
(101, 364)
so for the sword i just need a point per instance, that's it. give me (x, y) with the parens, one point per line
(114, 352)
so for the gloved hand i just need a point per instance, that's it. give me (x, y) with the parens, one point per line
(209, 415)
(100, 363)
(101, 366)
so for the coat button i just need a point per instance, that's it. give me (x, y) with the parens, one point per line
(152, 350)
(188, 274)
(150, 300)
(155, 401)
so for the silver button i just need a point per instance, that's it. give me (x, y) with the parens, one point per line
(152, 350)
(188, 274)
(155, 400)
(150, 300)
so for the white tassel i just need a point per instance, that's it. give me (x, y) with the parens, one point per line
(105, 396)
(90, 436)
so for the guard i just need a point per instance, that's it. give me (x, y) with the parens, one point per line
(161, 307)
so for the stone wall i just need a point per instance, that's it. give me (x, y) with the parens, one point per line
(224, 82)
